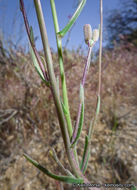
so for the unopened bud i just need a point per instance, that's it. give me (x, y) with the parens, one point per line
(87, 33)
(95, 35)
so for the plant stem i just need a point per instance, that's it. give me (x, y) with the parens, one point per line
(62, 73)
(54, 89)
(31, 42)
(100, 67)
(100, 46)
(99, 86)
(82, 83)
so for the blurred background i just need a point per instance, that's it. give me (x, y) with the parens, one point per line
(28, 122)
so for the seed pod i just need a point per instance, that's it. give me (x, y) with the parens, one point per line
(95, 35)
(87, 33)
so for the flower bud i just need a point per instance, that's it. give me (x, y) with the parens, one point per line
(87, 33)
(95, 36)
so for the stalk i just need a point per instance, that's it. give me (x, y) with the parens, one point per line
(82, 84)
(62, 73)
(91, 130)
(54, 88)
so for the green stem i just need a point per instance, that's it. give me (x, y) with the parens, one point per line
(62, 73)
(54, 88)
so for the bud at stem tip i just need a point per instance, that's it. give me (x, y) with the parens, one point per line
(87, 33)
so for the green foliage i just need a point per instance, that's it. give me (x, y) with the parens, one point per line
(73, 19)
(46, 71)
(79, 127)
(65, 179)
(84, 155)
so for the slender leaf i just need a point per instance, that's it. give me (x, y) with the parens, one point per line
(55, 157)
(73, 19)
(35, 63)
(84, 153)
(65, 179)
(86, 163)
(64, 108)
(37, 67)
(79, 127)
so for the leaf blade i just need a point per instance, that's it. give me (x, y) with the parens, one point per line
(79, 127)
(37, 67)
(73, 19)
(85, 149)
(66, 179)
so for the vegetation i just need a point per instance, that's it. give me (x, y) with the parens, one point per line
(28, 122)
(46, 71)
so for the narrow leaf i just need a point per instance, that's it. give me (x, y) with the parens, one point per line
(86, 163)
(55, 157)
(73, 19)
(84, 153)
(35, 63)
(80, 126)
(37, 67)
(65, 179)
(64, 108)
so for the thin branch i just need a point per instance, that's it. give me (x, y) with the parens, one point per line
(22, 8)
(99, 87)
(82, 83)
(100, 46)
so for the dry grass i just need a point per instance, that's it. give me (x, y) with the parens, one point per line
(34, 127)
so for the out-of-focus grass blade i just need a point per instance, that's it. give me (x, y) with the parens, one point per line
(85, 149)
(73, 19)
(80, 126)
(65, 179)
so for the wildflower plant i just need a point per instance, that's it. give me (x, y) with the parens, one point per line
(45, 69)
